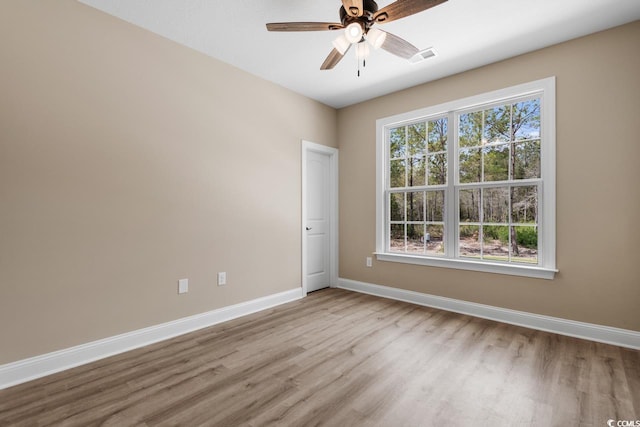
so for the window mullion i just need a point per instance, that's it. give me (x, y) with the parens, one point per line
(451, 218)
(481, 218)
(406, 156)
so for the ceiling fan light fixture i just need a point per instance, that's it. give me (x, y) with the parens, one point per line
(353, 32)
(376, 37)
(341, 44)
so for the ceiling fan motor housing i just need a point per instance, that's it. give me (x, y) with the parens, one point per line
(366, 20)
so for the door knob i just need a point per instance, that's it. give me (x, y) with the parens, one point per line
(308, 228)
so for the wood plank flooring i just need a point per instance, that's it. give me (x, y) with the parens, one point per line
(339, 358)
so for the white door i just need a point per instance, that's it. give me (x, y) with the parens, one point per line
(317, 224)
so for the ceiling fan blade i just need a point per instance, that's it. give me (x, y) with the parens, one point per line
(304, 26)
(333, 59)
(402, 8)
(398, 46)
(353, 7)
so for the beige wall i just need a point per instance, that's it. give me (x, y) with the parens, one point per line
(598, 178)
(128, 162)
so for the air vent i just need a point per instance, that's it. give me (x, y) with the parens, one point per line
(422, 55)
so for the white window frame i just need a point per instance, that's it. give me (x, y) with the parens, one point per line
(546, 267)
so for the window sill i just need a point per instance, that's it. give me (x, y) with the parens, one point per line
(487, 267)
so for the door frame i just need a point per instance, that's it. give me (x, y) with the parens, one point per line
(307, 147)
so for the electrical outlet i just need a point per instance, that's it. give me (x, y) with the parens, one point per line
(369, 261)
(183, 286)
(222, 278)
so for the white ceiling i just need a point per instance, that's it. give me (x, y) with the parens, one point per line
(465, 33)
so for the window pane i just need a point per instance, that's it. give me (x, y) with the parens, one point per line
(470, 131)
(526, 247)
(435, 206)
(415, 238)
(527, 160)
(438, 135)
(396, 206)
(416, 171)
(469, 243)
(438, 169)
(495, 205)
(435, 239)
(496, 162)
(495, 242)
(396, 238)
(470, 170)
(524, 205)
(397, 170)
(497, 125)
(417, 134)
(470, 205)
(397, 143)
(415, 206)
(526, 119)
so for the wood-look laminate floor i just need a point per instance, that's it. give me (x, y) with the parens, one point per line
(339, 358)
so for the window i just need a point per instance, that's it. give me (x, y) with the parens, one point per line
(470, 184)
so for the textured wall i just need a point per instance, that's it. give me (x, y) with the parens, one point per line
(598, 198)
(128, 162)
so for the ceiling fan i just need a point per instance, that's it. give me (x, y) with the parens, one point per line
(357, 18)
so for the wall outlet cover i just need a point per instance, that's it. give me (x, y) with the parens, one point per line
(222, 278)
(183, 286)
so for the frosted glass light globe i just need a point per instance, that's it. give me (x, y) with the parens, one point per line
(341, 44)
(376, 37)
(362, 50)
(353, 32)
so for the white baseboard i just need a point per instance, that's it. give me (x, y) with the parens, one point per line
(588, 331)
(39, 366)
